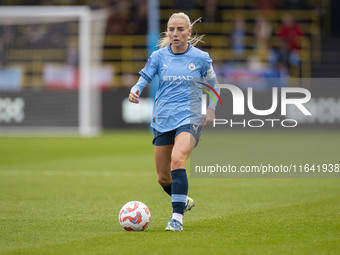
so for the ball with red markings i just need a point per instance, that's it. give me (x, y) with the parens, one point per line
(134, 216)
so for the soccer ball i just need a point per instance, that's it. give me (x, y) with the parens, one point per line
(134, 216)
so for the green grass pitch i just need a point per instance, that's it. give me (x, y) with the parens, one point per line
(63, 196)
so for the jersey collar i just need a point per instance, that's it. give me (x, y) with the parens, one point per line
(169, 48)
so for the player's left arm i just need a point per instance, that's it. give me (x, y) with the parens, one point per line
(212, 81)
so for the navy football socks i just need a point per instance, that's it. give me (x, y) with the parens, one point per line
(179, 190)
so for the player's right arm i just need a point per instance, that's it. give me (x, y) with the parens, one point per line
(146, 76)
(137, 90)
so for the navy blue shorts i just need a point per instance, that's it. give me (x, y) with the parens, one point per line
(167, 138)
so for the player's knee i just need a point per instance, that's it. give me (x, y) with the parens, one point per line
(178, 161)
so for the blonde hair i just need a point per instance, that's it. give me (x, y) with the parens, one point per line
(193, 40)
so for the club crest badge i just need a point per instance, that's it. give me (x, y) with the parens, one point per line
(192, 66)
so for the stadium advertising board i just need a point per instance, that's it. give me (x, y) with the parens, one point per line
(38, 109)
(57, 76)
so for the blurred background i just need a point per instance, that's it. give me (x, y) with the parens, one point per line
(52, 78)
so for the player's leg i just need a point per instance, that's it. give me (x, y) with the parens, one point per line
(163, 143)
(184, 144)
(163, 162)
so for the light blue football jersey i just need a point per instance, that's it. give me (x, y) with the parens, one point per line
(176, 72)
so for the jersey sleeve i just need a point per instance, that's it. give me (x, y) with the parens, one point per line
(140, 85)
(210, 76)
(212, 80)
(206, 64)
(151, 68)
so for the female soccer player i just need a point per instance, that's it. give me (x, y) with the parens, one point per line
(177, 63)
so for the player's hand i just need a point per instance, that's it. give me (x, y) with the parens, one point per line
(209, 118)
(134, 97)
